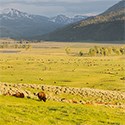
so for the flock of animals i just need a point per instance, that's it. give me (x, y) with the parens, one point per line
(83, 96)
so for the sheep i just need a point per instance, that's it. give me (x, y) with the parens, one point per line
(19, 95)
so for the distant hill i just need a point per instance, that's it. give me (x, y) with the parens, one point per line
(62, 19)
(20, 25)
(108, 26)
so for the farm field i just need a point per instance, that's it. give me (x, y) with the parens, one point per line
(97, 82)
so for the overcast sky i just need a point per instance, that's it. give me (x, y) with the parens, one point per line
(55, 7)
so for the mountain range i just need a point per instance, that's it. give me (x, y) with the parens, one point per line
(105, 27)
(62, 19)
(108, 26)
(21, 25)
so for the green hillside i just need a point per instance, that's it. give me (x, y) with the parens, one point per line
(108, 26)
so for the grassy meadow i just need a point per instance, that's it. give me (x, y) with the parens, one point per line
(15, 111)
(49, 64)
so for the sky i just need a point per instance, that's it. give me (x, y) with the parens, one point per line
(55, 7)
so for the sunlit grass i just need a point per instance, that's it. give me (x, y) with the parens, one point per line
(15, 111)
(50, 65)
(63, 70)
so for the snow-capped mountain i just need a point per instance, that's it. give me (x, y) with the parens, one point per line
(108, 27)
(79, 18)
(62, 19)
(14, 14)
(11, 13)
(21, 25)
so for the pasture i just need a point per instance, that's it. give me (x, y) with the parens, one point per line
(15, 111)
(48, 64)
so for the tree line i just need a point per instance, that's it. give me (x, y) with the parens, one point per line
(19, 45)
(99, 51)
(106, 51)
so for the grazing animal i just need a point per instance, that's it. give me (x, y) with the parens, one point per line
(19, 95)
(42, 96)
(7, 94)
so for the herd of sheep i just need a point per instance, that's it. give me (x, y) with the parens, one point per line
(64, 94)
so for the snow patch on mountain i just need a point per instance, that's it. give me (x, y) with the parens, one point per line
(11, 13)
(62, 19)
(14, 14)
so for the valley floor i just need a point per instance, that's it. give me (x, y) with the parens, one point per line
(81, 90)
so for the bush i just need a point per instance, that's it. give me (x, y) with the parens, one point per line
(80, 53)
(106, 51)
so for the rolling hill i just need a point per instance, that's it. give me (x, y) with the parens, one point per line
(108, 27)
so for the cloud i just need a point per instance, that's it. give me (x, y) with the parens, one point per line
(54, 7)
(52, 1)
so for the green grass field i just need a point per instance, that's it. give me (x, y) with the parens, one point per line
(15, 111)
(55, 67)
(48, 64)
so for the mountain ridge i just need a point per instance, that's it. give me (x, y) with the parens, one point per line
(62, 19)
(116, 7)
(108, 26)
(21, 25)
